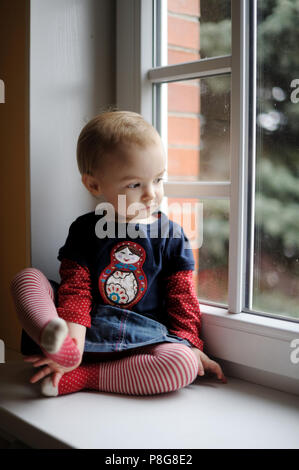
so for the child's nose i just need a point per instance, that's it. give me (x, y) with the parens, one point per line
(148, 193)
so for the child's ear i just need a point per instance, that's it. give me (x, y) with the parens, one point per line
(91, 184)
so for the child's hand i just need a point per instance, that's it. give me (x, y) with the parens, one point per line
(205, 364)
(77, 333)
(52, 367)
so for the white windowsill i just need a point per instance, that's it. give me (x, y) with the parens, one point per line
(204, 415)
(254, 351)
(252, 347)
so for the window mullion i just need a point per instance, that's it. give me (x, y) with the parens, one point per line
(134, 56)
(190, 70)
(198, 189)
(239, 138)
(251, 168)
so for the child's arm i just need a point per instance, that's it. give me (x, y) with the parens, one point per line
(183, 307)
(75, 300)
(185, 318)
(74, 294)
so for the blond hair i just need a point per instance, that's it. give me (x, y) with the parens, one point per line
(105, 132)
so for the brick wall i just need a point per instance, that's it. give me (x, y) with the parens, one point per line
(183, 30)
(184, 100)
(183, 97)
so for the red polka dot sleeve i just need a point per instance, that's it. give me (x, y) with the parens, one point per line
(183, 308)
(74, 294)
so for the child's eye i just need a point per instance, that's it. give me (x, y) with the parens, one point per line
(133, 185)
(158, 180)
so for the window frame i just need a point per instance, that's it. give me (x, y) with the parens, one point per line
(252, 345)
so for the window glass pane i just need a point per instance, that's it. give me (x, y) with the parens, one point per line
(198, 129)
(196, 29)
(276, 250)
(206, 224)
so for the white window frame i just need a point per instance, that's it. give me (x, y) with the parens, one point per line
(248, 345)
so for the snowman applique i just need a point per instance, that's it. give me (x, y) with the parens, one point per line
(123, 281)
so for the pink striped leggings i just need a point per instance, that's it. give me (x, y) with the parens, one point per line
(153, 369)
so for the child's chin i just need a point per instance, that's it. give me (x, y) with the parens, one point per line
(145, 218)
(146, 213)
(143, 214)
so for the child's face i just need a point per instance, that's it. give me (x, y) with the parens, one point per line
(136, 173)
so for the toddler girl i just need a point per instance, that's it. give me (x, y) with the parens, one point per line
(125, 317)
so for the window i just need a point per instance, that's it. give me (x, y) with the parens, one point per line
(198, 71)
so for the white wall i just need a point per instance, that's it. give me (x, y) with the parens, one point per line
(72, 76)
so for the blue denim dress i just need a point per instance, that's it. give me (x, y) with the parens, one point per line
(115, 329)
